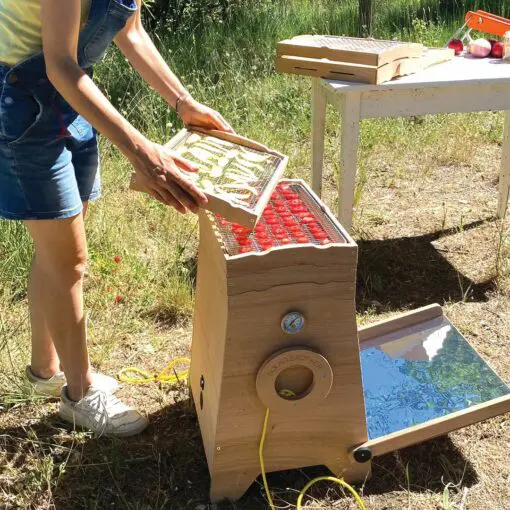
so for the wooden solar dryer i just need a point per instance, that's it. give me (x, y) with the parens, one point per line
(275, 327)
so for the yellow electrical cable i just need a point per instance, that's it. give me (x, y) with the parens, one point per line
(143, 377)
(330, 479)
(261, 459)
(308, 485)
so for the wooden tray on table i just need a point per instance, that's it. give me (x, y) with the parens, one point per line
(370, 52)
(344, 71)
(236, 174)
(351, 59)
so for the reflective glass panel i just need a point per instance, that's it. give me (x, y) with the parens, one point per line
(420, 373)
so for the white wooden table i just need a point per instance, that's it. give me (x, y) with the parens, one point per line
(459, 86)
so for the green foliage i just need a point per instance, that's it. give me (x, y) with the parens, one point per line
(180, 15)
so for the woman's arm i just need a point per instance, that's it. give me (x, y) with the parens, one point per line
(137, 46)
(156, 165)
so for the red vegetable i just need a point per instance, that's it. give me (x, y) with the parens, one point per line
(314, 228)
(498, 50)
(457, 45)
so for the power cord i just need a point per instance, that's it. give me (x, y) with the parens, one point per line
(308, 485)
(134, 375)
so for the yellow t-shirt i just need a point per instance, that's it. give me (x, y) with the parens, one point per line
(20, 29)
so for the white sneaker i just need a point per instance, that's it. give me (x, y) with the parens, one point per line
(52, 387)
(102, 413)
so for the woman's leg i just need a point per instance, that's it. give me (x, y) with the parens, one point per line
(56, 301)
(45, 362)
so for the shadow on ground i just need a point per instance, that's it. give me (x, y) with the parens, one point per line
(409, 272)
(165, 467)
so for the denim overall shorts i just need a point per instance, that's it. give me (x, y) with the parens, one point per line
(49, 162)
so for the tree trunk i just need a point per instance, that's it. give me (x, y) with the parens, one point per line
(365, 17)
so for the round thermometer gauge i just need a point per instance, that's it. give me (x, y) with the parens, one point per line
(293, 322)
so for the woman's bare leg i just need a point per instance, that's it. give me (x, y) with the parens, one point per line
(56, 301)
(45, 362)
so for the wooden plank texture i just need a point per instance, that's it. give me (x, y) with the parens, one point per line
(348, 72)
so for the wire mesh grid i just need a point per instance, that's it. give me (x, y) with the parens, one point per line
(292, 217)
(355, 44)
(224, 149)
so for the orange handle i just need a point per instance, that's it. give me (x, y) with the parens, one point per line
(493, 16)
(488, 23)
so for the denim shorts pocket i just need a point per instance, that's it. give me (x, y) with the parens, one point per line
(20, 112)
(130, 5)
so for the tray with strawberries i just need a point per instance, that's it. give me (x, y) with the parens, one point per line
(294, 216)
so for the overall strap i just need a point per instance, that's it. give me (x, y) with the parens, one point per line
(32, 70)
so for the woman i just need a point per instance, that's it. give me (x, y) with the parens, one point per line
(50, 110)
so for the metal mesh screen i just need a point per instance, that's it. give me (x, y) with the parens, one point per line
(292, 217)
(355, 44)
(228, 152)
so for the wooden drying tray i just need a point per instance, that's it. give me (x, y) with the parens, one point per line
(233, 211)
(370, 52)
(344, 71)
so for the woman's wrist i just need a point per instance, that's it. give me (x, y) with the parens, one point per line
(184, 102)
(135, 147)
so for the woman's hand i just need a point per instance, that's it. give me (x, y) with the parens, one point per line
(156, 169)
(193, 113)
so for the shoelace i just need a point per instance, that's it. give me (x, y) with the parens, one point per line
(102, 406)
(99, 415)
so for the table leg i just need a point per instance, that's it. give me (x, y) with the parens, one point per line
(350, 110)
(504, 176)
(318, 128)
